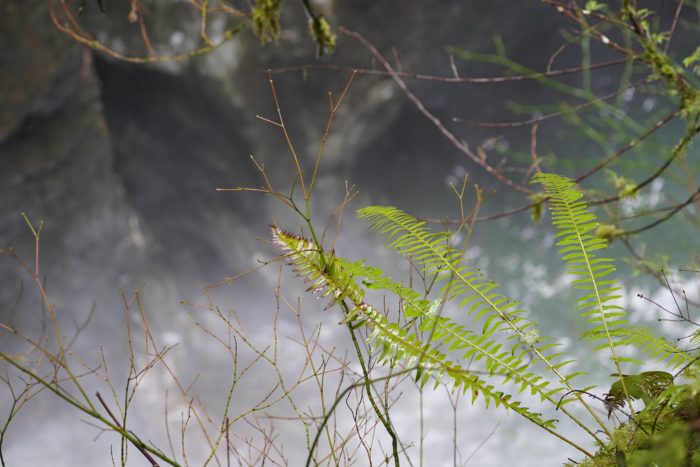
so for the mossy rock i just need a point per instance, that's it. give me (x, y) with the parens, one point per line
(663, 434)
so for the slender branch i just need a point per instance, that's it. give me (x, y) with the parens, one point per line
(678, 150)
(70, 27)
(575, 14)
(676, 17)
(333, 110)
(542, 118)
(455, 78)
(461, 146)
(631, 144)
(287, 138)
(383, 418)
(88, 411)
(663, 219)
(139, 446)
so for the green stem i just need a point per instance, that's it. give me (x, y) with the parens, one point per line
(92, 413)
(383, 418)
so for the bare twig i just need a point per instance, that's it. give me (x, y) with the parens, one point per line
(139, 446)
(455, 78)
(461, 146)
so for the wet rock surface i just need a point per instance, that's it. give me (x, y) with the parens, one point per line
(117, 156)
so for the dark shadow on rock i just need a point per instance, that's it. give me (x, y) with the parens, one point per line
(175, 141)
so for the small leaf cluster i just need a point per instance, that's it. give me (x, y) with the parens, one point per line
(663, 433)
(266, 19)
(322, 34)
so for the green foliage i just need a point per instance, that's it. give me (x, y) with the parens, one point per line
(692, 61)
(594, 5)
(578, 245)
(625, 187)
(645, 340)
(322, 34)
(266, 19)
(663, 67)
(537, 200)
(662, 433)
(645, 386)
(266, 16)
(497, 314)
(674, 445)
(507, 345)
(432, 252)
(608, 232)
(328, 277)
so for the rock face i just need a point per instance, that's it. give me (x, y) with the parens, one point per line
(175, 141)
(33, 56)
(123, 158)
(57, 164)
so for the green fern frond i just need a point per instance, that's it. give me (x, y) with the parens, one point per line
(432, 252)
(328, 277)
(575, 226)
(478, 295)
(455, 338)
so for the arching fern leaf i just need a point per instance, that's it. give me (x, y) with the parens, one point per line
(329, 278)
(472, 291)
(443, 332)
